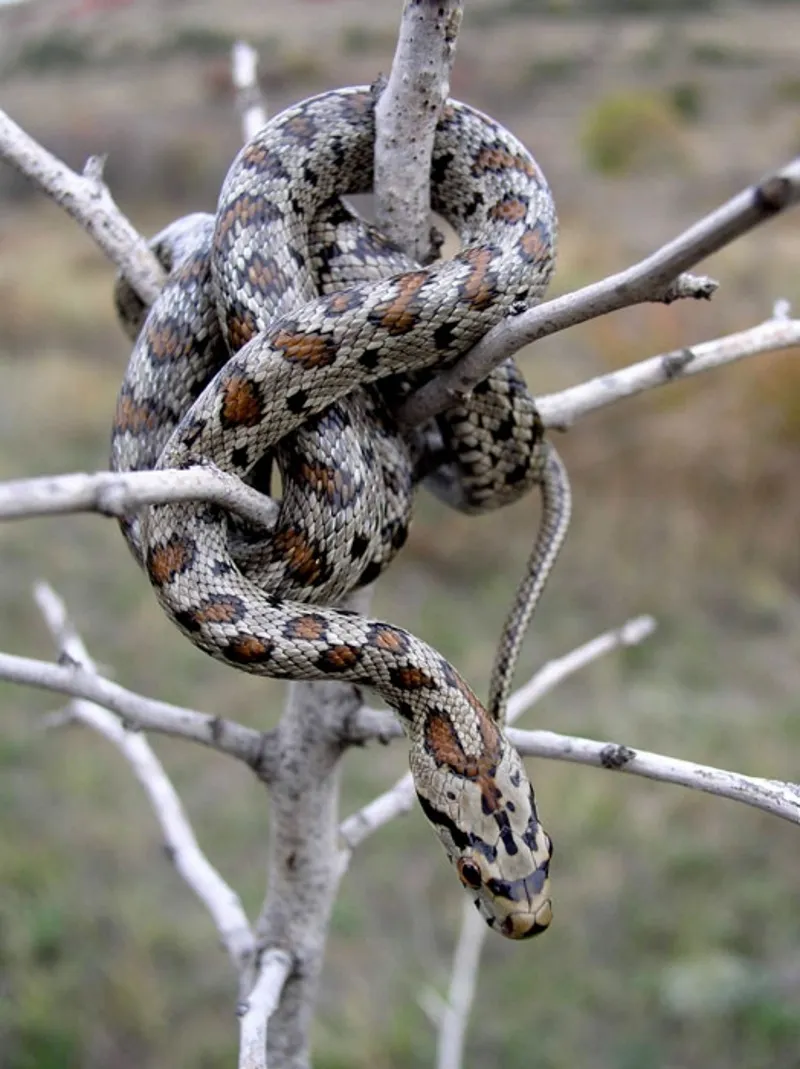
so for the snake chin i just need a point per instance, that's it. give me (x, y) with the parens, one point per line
(519, 924)
(518, 910)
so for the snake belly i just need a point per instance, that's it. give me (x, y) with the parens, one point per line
(294, 376)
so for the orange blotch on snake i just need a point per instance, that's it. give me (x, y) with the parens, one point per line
(304, 561)
(223, 611)
(536, 243)
(242, 327)
(479, 287)
(444, 746)
(401, 314)
(241, 402)
(169, 559)
(339, 658)
(133, 417)
(304, 348)
(509, 210)
(242, 210)
(332, 483)
(165, 343)
(247, 649)
(410, 678)
(311, 628)
(384, 637)
(500, 159)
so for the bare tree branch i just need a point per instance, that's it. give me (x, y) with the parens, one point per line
(116, 493)
(652, 279)
(182, 847)
(249, 101)
(562, 409)
(406, 116)
(113, 494)
(87, 199)
(454, 1014)
(773, 796)
(138, 713)
(259, 1006)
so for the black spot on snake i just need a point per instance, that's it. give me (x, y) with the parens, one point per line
(370, 359)
(439, 166)
(359, 546)
(517, 473)
(240, 458)
(506, 834)
(370, 573)
(461, 840)
(405, 711)
(297, 401)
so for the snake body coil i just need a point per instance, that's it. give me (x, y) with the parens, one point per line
(278, 337)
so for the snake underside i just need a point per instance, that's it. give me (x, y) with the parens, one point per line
(285, 332)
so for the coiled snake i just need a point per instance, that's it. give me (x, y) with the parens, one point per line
(284, 333)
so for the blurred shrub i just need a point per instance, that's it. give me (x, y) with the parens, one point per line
(58, 50)
(357, 39)
(787, 90)
(686, 99)
(197, 41)
(631, 131)
(553, 70)
(719, 54)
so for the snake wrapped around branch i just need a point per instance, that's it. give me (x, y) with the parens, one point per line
(286, 332)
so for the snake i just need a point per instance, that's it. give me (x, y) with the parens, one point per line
(286, 333)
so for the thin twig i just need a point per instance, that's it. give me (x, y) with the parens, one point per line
(182, 847)
(562, 409)
(249, 101)
(259, 1006)
(772, 796)
(144, 714)
(87, 199)
(455, 1012)
(652, 279)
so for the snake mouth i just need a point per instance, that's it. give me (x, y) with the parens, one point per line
(526, 926)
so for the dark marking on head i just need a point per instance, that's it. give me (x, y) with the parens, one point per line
(461, 840)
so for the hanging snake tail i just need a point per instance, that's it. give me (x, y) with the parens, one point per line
(556, 497)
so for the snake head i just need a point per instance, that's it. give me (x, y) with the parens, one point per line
(490, 829)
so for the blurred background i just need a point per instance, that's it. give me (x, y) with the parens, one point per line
(677, 937)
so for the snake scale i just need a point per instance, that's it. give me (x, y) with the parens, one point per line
(287, 330)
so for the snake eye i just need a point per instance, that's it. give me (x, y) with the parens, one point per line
(469, 874)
